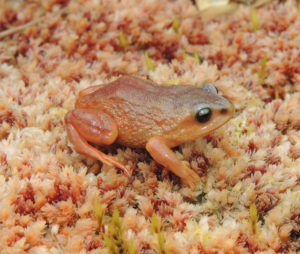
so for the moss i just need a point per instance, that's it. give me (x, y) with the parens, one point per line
(155, 228)
(36, 21)
(123, 40)
(149, 63)
(276, 93)
(198, 200)
(131, 248)
(113, 232)
(173, 81)
(184, 55)
(200, 235)
(195, 55)
(99, 212)
(254, 20)
(263, 68)
(253, 219)
(58, 112)
(115, 237)
(197, 58)
(176, 24)
(241, 127)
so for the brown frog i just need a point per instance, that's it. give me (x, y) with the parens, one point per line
(140, 114)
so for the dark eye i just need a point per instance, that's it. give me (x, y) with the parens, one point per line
(203, 115)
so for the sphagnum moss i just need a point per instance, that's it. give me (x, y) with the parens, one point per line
(115, 238)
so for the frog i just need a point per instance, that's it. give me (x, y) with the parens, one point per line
(139, 113)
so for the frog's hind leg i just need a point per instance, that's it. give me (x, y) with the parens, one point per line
(89, 125)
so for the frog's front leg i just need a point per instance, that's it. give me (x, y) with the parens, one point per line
(159, 150)
(90, 125)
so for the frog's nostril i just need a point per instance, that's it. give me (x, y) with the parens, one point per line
(223, 110)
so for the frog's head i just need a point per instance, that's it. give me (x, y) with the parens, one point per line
(213, 111)
(205, 110)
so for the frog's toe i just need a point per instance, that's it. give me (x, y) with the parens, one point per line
(191, 178)
(118, 165)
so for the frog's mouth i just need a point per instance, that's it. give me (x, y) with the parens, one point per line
(219, 118)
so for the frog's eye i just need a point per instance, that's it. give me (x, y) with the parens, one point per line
(203, 115)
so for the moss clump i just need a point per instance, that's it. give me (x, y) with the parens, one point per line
(99, 212)
(115, 238)
(263, 68)
(113, 232)
(253, 219)
(149, 63)
(254, 20)
(176, 24)
(155, 228)
(123, 41)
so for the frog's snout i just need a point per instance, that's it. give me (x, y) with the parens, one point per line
(223, 111)
(228, 110)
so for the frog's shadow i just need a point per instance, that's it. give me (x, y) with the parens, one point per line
(142, 156)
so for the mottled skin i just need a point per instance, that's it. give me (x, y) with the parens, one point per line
(138, 113)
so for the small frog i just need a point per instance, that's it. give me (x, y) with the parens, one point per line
(140, 114)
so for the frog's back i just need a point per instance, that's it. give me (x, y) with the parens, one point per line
(140, 108)
(143, 92)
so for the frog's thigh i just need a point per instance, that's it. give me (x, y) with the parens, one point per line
(88, 125)
(165, 156)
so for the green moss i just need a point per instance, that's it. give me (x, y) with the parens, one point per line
(161, 243)
(110, 244)
(99, 212)
(173, 81)
(155, 228)
(114, 235)
(131, 248)
(263, 68)
(123, 40)
(276, 93)
(149, 63)
(116, 218)
(176, 24)
(254, 20)
(195, 55)
(115, 238)
(184, 55)
(198, 199)
(197, 58)
(253, 219)
(201, 197)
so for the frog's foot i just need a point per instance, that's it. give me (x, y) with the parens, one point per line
(89, 125)
(190, 177)
(159, 150)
